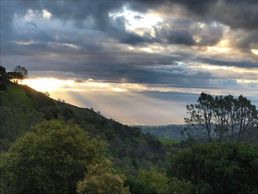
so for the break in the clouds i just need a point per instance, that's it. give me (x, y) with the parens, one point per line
(148, 57)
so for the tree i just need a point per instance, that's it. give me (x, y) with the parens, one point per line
(218, 168)
(149, 182)
(231, 106)
(17, 74)
(201, 115)
(21, 70)
(50, 159)
(101, 179)
(247, 114)
(177, 186)
(2, 73)
(220, 116)
(220, 113)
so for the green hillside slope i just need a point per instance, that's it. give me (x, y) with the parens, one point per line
(22, 107)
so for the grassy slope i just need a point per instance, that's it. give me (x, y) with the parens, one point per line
(22, 107)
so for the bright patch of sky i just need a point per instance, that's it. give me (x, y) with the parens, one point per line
(138, 22)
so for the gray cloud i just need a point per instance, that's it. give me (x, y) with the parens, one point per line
(235, 13)
(180, 37)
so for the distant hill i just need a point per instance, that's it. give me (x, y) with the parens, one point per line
(165, 131)
(250, 136)
(22, 107)
(173, 133)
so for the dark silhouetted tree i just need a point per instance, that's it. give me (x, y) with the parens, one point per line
(17, 74)
(231, 106)
(246, 114)
(220, 116)
(201, 115)
(2, 73)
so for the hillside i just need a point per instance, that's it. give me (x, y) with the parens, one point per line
(169, 134)
(173, 132)
(22, 107)
(250, 136)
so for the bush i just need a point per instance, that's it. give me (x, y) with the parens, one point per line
(177, 186)
(51, 159)
(218, 168)
(49, 112)
(148, 182)
(68, 114)
(101, 179)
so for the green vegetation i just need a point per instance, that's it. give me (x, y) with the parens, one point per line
(148, 181)
(172, 132)
(218, 168)
(51, 159)
(102, 179)
(169, 142)
(156, 181)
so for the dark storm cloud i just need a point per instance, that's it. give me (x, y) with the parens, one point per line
(134, 39)
(243, 14)
(98, 11)
(235, 13)
(180, 37)
(77, 10)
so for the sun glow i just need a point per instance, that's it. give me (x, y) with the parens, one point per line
(46, 14)
(47, 84)
(254, 51)
(222, 47)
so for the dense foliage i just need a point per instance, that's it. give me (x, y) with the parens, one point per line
(156, 181)
(50, 159)
(218, 168)
(148, 182)
(102, 179)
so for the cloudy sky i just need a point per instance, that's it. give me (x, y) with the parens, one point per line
(137, 61)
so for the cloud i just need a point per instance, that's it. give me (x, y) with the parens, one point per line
(218, 10)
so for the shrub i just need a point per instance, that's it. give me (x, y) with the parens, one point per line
(101, 179)
(51, 159)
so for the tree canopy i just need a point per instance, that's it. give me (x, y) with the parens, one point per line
(50, 159)
(218, 168)
(17, 74)
(102, 179)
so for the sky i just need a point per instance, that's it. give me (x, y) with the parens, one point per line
(136, 61)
